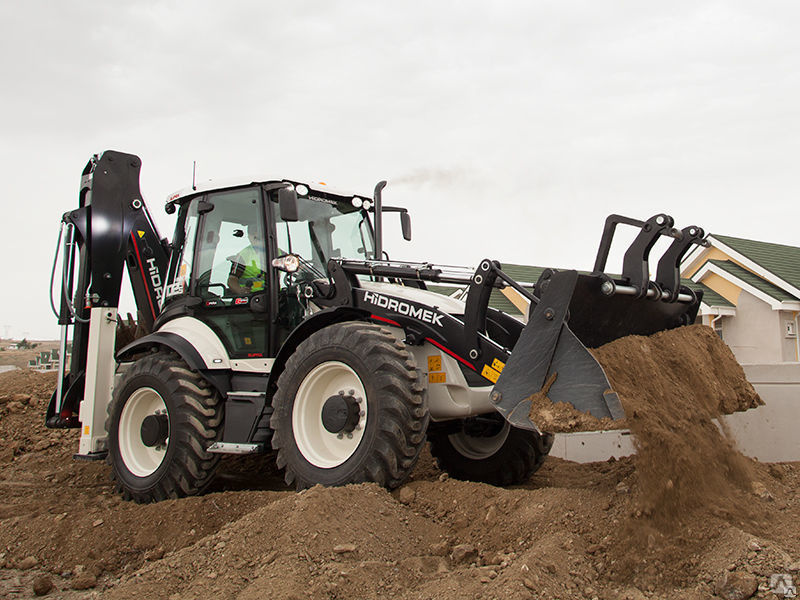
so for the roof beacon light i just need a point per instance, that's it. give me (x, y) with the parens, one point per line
(357, 202)
(289, 263)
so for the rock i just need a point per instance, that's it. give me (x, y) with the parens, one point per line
(623, 488)
(633, 594)
(27, 563)
(406, 495)
(754, 546)
(529, 584)
(344, 548)
(463, 553)
(491, 514)
(760, 490)
(440, 548)
(155, 554)
(775, 471)
(84, 581)
(736, 585)
(14, 406)
(97, 522)
(42, 585)
(443, 477)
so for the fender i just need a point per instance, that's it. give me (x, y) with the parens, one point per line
(310, 325)
(218, 378)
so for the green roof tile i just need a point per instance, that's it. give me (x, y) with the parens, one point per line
(783, 261)
(754, 280)
(522, 273)
(445, 290)
(500, 302)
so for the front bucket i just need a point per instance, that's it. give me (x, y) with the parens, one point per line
(597, 318)
(550, 358)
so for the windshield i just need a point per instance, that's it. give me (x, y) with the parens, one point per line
(325, 229)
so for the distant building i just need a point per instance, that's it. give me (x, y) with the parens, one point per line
(47, 360)
(755, 305)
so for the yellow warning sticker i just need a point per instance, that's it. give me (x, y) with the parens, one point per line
(437, 378)
(86, 430)
(248, 341)
(140, 232)
(498, 365)
(435, 363)
(490, 373)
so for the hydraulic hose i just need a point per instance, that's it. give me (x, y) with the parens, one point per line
(53, 271)
(67, 300)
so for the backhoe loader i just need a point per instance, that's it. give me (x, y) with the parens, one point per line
(273, 322)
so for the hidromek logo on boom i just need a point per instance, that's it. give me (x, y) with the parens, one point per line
(428, 316)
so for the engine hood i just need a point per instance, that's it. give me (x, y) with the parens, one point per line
(445, 304)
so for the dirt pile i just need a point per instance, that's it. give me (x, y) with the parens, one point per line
(573, 531)
(690, 369)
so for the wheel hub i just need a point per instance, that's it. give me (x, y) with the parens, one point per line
(341, 413)
(155, 430)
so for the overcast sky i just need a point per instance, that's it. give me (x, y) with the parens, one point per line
(510, 129)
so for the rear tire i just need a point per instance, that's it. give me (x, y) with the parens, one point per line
(162, 386)
(488, 449)
(365, 380)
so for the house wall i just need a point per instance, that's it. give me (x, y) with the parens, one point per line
(707, 254)
(788, 345)
(723, 287)
(755, 334)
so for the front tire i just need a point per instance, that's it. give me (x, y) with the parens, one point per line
(350, 408)
(490, 450)
(161, 420)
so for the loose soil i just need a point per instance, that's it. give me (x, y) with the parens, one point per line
(689, 371)
(675, 521)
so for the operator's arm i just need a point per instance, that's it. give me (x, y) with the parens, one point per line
(233, 284)
(237, 270)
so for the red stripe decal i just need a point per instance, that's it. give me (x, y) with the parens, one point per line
(451, 353)
(385, 320)
(144, 279)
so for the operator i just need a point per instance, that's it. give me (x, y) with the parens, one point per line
(247, 273)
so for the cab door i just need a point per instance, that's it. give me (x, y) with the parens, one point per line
(231, 273)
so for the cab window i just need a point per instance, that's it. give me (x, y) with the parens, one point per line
(231, 252)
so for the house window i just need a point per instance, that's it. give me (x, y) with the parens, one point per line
(790, 328)
(718, 328)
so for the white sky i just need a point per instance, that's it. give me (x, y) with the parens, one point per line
(510, 129)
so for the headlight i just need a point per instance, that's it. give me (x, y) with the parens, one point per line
(289, 263)
(357, 202)
(301, 189)
(367, 205)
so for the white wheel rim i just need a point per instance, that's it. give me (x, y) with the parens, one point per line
(139, 459)
(319, 446)
(478, 448)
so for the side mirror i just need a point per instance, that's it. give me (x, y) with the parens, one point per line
(405, 223)
(287, 202)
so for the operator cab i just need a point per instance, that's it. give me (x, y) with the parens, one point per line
(225, 242)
